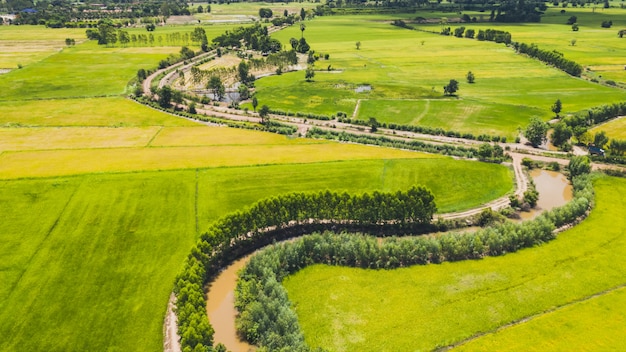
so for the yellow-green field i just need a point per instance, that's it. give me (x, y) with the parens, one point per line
(615, 129)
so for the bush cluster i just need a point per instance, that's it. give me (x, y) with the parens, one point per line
(263, 320)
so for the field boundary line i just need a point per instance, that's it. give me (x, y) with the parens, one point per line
(148, 145)
(195, 203)
(356, 108)
(533, 316)
(49, 232)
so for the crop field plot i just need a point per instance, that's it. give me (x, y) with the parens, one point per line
(594, 324)
(81, 161)
(399, 64)
(423, 307)
(615, 129)
(51, 138)
(204, 136)
(24, 45)
(85, 70)
(104, 112)
(232, 12)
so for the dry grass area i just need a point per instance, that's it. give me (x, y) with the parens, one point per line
(214, 136)
(71, 162)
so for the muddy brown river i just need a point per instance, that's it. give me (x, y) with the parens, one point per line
(221, 308)
(554, 191)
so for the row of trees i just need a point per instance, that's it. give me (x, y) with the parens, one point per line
(277, 218)
(553, 57)
(106, 33)
(266, 317)
(383, 141)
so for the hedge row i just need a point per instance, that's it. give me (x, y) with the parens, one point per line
(553, 57)
(279, 218)
(266, 317)
(434, 131)
(383, 141)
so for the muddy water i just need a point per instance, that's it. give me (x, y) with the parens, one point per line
(554, 191)
(221, 308)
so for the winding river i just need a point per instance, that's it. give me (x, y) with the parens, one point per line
(554, 191)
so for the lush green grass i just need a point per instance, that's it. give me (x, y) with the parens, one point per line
(422, 307)
(89, 261)
(590, 325)
(401, 65)
(85, 70)
(598, 48)
(236, 11)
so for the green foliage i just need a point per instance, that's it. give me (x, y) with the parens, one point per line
(451, 87)
(551, 57)
(309, 74)
(561, 134)
(536, 131)
(470, 77)
(557, 107)
(579, 165)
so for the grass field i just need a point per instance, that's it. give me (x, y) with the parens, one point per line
(594, 324)
(406, 69)
(85, 70)
(615, 129)
(25, 45)
(424, 307)
(92, 112)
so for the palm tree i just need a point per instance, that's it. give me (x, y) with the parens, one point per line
(302, 28)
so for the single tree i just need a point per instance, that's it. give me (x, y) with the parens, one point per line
(600, 139)
(264, 113)
(244, 92)
(302, 28)
(244, 72)
(302, 16)
(265, 12)
(309, 74)
(557, 107)
(536, 132)
(165, 97)
(373, 123)
(285, 13)
(561, 133)
(358, 45)
(294, 43)
(215, 84)
(255, 103)
(470, 77)
(192, 108)
(451, 87)
(575, 27)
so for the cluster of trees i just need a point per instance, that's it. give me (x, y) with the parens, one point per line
(272, 219)
(266, 316)
(383, 141)
(553, 57)
(65, 13)
(252, 37)
(491, 35)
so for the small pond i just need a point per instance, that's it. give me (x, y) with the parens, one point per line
(554, 191)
